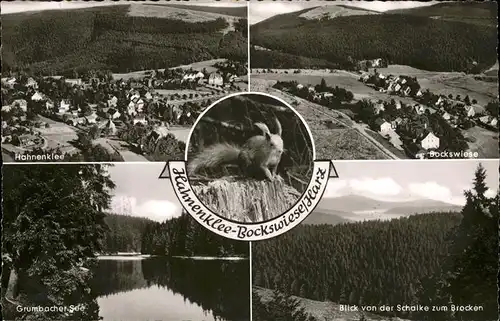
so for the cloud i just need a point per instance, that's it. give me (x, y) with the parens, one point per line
(434, 191)
(334, 187)
(156, 210)
(385, 186)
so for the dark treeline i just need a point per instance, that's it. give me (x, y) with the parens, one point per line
(54, 42)
(421, 42)
(155, 25)
(183, 236)
(428, 259)
(280, 60)
(124, 234)
(233, 123)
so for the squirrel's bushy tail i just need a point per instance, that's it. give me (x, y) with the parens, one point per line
(214, 156)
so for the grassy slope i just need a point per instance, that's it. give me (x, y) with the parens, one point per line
(240, 11)
(322, 310)
(58, 41)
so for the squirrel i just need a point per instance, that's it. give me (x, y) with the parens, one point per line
(261, 153)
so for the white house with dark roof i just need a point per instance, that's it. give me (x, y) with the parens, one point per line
(430, 141)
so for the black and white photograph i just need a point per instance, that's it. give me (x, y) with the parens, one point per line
(250, 157)
(112, 243)
(406, 241)
(89, 81)
(395, 79)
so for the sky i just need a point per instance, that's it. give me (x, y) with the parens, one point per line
(266, 9)
(24, 6)
(410, 180)
(139, 191)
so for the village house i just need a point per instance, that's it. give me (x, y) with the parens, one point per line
(215, 79)
(31, 83)
(159, 132)
(311, 89)
(37, 96)
(140, 120)
(91, 119)
(407, 90)
(474, 110)
(430, 141)
(440, 101)
(64, 106)
(21, 103)
(74, 82)
(384, 126)
(420, 109)
(112, 101)
(109, 127)
(300, 86)
(494, 122)
(446, 116)
(398, 105)
(419, 93)
(378, 108)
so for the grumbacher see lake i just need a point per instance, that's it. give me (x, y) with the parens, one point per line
(172, 289)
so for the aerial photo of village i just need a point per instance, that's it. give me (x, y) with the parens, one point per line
(113, 81)
(401, 83)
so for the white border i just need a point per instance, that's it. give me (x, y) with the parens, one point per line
(251, 93)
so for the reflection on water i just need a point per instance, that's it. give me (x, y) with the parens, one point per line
(172, 290)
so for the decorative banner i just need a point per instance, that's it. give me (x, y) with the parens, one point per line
(177, 173)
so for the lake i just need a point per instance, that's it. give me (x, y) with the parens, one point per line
(172, 289)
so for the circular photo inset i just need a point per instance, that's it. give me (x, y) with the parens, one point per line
(250, 157)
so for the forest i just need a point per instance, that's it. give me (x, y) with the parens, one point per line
(183, 236)
(420, 42)
(54, 42)
(432, 259)
(124, 233)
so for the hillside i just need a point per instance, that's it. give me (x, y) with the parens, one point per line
(119, 38)
(418, 41)
(480, 13)
(355, 203)
(330, 12)
(320, 310)
(368, 263)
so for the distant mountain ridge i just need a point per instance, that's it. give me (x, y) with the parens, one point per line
(356, 203)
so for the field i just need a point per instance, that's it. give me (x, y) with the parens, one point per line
(486, 142)
(181, 92)
(455, 83)
(58, 135)
(207, 64)
(335, 135)
(445, 83)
